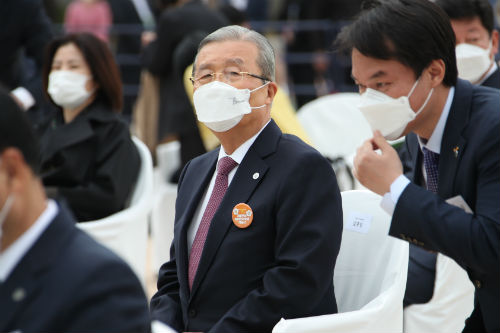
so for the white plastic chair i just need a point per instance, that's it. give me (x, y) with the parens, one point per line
(168, 158)
(452, 301)
(163, 214)
(369, 277)
(336, 128)
(162, 223)
(334, 124)
(126, 232)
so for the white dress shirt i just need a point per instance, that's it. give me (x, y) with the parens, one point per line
(390, 199)
(10, 257)
(237, 156)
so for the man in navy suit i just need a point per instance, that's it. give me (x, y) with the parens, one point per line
(267, 250)
(53, 276)
(474, 26)
(406, 72)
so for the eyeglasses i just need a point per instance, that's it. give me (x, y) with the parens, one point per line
(228, 76)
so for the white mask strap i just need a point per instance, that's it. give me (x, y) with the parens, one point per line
(414, 86)
(265, 84)
(251, 91)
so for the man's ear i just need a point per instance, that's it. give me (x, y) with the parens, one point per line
(15, 168)
(437, 70)
(494, 42)
(272, 88)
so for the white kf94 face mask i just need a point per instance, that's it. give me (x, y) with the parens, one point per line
(67, 88)
(221, 106)
(389, 115)
(472, 61)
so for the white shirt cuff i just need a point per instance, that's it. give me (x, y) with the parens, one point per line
(24, 96)
(390, 199)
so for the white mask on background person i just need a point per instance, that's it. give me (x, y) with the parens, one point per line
(3, 214)
(67, 88)
(387, 114)
(221, 106)
(472, 61)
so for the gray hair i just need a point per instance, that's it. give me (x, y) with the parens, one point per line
(265, 59)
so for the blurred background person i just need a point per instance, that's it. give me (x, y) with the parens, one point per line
(176, 119)
(53, 276)
(88, 156)
(93, 16)
(476, 38)
(25, 30)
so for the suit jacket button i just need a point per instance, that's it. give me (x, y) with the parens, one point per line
(192, 313)
(477, 283)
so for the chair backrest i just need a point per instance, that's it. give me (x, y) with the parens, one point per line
(370, 273)
(168, 158)
(126, 231)
(369, 261)
(452, 301)
(334, 124)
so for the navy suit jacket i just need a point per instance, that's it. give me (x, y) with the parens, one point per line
(493, 80)
(280, 266)
(67, 282)
(469, 165)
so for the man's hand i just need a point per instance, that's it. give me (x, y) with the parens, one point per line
(377, 171)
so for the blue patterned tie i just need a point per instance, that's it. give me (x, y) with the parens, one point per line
(431, 162)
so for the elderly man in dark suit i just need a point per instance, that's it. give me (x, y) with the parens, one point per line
(407, 74)
(258, 222)
(53, 276)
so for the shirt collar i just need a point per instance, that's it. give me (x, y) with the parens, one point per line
(242, 150)
(434, 142)
(15, 252)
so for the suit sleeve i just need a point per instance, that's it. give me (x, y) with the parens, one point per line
(103, 303)
(470, 239)
(117, 166)
(308, 221)
(165, 305)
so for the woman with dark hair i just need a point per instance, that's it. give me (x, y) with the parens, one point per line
(88, 157)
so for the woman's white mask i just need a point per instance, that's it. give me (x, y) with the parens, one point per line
(67, 88)
(221, 106)
(472, 61)
(387, 114)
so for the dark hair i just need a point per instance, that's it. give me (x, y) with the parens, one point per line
(16, 131)
(412, 32)
(468, 9)
(100, 61)
(233, 15)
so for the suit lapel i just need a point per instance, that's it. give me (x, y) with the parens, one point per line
(24, 282)
(240, 190)
(453, 143)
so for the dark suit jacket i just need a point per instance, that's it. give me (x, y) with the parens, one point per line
(280, 266)
(67, 282)
(92, 162)
(423, 218)
(493, 80)
(25, 27)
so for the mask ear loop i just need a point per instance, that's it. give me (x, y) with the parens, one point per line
(251, 91)
(3, 214)
(426, 100)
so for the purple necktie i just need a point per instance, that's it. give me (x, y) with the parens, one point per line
(431, 162)
(224, 167)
